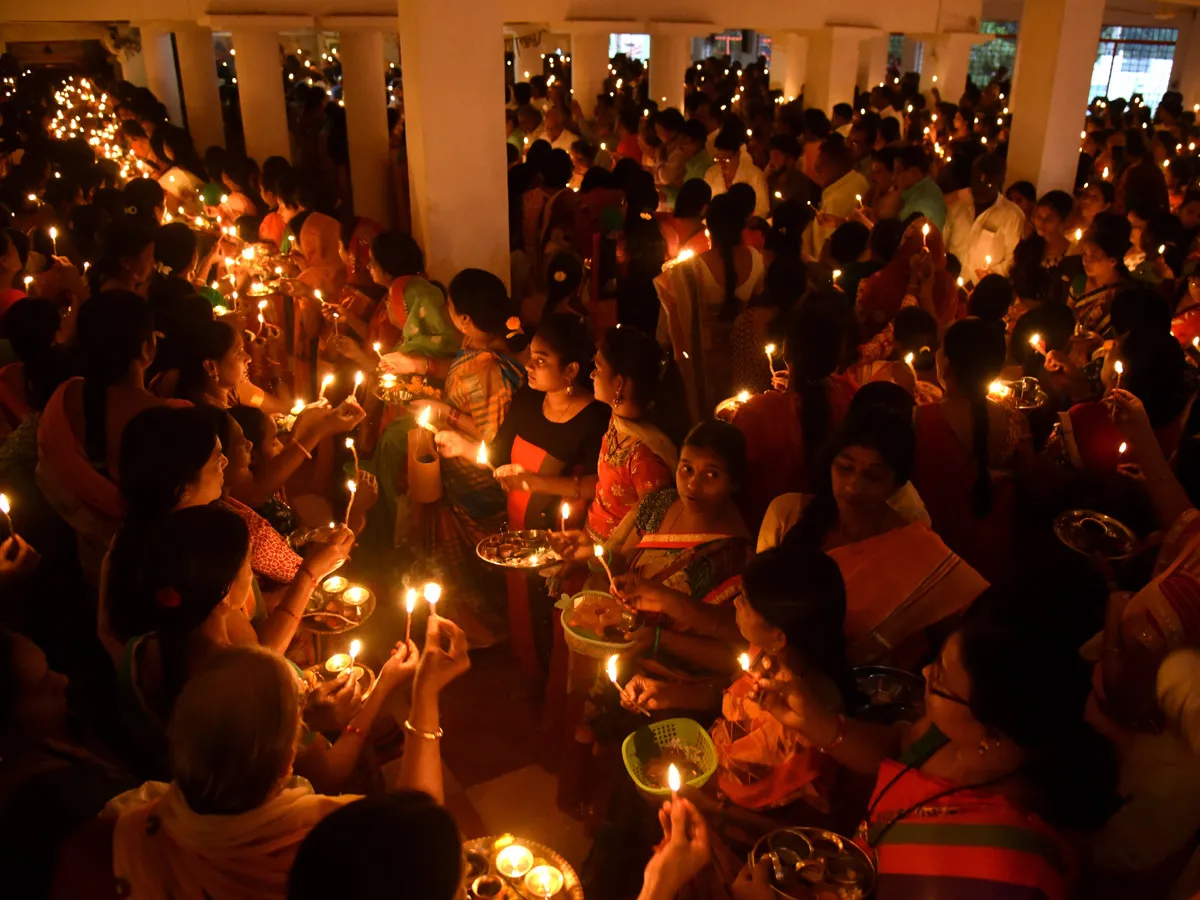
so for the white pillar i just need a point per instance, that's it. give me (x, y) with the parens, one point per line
(909, 55)
(455, 131)
(872, 62)
(589, 68)
(260, 94)
(1055, 54)
(832, 67)
(1185, 70)
(794, 62)
(391, 48)
(366, 121)
(670, 55)
(201, 94)
(529, 58)
(947, 58)
(159, 56)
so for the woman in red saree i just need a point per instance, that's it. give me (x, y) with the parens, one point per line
(881, 296)
(356, 237)
(785, 429)
(968, 447)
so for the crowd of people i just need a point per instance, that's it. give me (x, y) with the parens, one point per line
(805, 393)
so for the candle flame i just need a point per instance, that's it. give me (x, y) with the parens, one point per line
(263, 304)
(5, 506)
(423, 418)
(743, 396)
(566, 511)
(53, 233)
(1034, 340)
(770, 349)
(410, 600)
(908, 359)
(674, 782)
(685, 255)
(744, 662)
(297, 407)
(1122, 448)
(837, 273)
(376, 347)
(612, 669)
(987, 260)
(481, 458)
(327, 380)
(317, 293)
(248, 253)
(925, 230)
(358, 379)
(355, 647)
(1078, 235)
(1119, 367)
(598, 551)
(352, 486)
(349, 443)
(433, 593)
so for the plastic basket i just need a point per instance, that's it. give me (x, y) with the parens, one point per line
(586, 643)
(690, 734)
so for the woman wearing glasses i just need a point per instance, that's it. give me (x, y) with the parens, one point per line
(975, 799)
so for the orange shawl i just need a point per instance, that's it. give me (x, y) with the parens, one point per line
(320, 239)
(163, 849)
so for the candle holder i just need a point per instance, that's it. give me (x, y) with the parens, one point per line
(338, 605)
(514, 861)
(544, 881)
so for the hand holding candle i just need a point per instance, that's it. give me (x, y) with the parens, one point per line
(1119, 368)
(410, 603)
(674, 781)
(433, 593)
(325, 383)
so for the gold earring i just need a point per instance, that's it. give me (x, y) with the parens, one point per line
(984, 747)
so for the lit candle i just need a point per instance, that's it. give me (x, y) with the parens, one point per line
(742, 396)
(325, 383)
(6, 509)
(423, 420)
(925, 236)
(410, 603)
(566, 514)
(1119, 368)
(298, 407)
(514, 861)
(858, 197)
(1078, 235)
(837, 273)
(248, 254)
(908, 361)
(353, 453)
(358, 380)
(770, 348)
(318, 295)
(355, 647)
(336, 317)
(1036, 342)
(998, 389)
(54, 239)
(960, 282)
(674, 782)
(544, 881)
(377, 346)
(335, 584)
(1122, 448)
(352, 487)
(481, 458)
(28, 281)
(744, 662)
(987, 263)
(598, 551)
(433, 593)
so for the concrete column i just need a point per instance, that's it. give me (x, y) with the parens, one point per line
(589, 68)
(455, 131)
(201, 94)
(529, 59)
(260, 94)
(160, 70)
(133, 68)
(391, 48)
(832, 67)
(872, 62)
(794, 62)
(1055, 55)
(1185, 70)
(946, 61)
(909, 55)
(366, 122)
(670, 55)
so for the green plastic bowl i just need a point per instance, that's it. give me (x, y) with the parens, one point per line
(689, 733)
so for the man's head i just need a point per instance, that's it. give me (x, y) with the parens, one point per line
(727, 151)
(668, 124)
(694, 137)
(528, 118)
(784, 151)
(555, 121)
(911, 165)
(863, 135)
(833, 160)
(987, 177)
(883, 169)
(843, 114)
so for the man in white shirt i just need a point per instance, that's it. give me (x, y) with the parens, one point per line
(734, 166)
(554, 131)
(997, 224)
(841, 187)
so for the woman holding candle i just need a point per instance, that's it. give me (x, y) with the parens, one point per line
(545, 454)
(480, 385)
(321, 270)
(918, 270)
(1157, 373)
(970, 449)
(126, 258)
(987, 787)
(785, 430)
(1103, 251)
(701, 298)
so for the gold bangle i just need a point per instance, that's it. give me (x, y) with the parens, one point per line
(427, 735)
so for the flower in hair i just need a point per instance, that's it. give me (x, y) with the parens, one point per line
(560, 276)
(513, 324)
(162, 268)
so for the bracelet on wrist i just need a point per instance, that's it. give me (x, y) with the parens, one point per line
(354, 729)
(425, 735)
(838, 737)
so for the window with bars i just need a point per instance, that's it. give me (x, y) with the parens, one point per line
(987, 58)
(1134, 61)
(895, 47)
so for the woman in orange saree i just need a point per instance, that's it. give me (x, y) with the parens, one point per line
(901, 579)
(324, 271)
